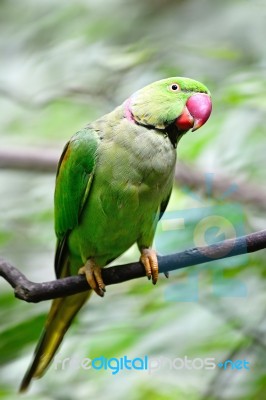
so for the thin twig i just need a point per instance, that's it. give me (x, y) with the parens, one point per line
(35, 292)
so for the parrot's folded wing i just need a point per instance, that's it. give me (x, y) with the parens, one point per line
(73, 182)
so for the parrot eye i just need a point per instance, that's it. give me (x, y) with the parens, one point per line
(174, 87)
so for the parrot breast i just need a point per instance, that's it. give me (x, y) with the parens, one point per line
(134, 174)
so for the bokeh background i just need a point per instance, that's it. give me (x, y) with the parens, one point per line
(64, 64)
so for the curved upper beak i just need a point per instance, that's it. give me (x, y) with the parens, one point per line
(196, 112)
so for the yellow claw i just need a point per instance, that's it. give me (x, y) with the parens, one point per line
(94, 276)
(149, 259)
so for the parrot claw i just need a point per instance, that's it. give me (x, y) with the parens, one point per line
(149, 259)
(94, 277)
(166, 274)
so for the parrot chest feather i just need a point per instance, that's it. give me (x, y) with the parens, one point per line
(133, 175)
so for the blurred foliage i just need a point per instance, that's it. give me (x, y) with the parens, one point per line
(66, 63)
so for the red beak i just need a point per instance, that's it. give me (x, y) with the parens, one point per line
(196, 112)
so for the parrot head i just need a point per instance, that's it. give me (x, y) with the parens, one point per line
(174, 103)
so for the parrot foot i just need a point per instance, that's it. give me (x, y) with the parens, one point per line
(149, 259)
(94, 277)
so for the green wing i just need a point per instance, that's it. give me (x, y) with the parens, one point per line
(73, 182)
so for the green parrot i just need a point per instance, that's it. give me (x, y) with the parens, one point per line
(113, 183)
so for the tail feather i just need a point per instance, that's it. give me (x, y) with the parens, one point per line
(61, 314)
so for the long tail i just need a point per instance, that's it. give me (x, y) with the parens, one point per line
(61, 314)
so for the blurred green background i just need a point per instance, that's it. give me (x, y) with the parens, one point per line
(64, 64)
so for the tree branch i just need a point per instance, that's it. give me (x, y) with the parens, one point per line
(35, 292)
(39, 160)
